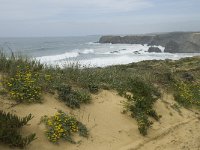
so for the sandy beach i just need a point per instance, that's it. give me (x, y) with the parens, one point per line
(109, 128)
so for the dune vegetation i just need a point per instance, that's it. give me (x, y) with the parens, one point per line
(25, 80)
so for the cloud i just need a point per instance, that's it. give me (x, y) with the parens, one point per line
(48, 9)
(82, 17)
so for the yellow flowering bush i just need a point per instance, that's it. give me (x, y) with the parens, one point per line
(62, 126)
(24, 85)
(187, 93)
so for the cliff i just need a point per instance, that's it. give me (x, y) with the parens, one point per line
(174, 42)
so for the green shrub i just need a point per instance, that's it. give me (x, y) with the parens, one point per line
(93, 88)
(24, 85)
(82, 95)
(62, 126)
(143, 122)
(10, 130)
(140, 103)
(187, 93)
(3, 91)
(72, 98)
(48, 83)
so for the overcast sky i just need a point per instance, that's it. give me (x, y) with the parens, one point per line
(92, 17)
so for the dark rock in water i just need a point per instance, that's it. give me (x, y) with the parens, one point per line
(154, 49)
(114, 52)
(172, 47)
(136, 52)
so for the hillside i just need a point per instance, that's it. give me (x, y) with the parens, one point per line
(174, 42)
(112, 130)
(146, 105)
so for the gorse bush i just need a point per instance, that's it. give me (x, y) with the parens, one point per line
(140, 103)
(62, 126)
(73, 98)
(187, 93)
(10, 126)
(24, 85)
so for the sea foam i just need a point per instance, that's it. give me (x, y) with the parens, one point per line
(110, 54)
(54, 58)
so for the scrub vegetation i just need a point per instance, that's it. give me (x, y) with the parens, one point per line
(25, 81)
(63, 126)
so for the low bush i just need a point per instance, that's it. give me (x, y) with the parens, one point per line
(24, 85)
(93, 88)
(140, 103)
(3, 91)
(187, 93)
(82, 95)
(62, 126)
(73, 98)
(10, 126)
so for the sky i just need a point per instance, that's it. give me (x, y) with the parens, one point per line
(27, 18)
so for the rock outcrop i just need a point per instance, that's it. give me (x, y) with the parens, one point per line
(175, 42)
(154, 49)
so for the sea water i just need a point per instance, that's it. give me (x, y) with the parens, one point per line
(83, 50)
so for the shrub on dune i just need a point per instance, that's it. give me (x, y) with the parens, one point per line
(24, 85)
(141, 102)
(10, 126)
(73, 98)
(63, 126)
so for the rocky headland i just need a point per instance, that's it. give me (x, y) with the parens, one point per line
(174, 42)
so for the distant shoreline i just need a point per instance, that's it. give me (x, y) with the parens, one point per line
(174, 42)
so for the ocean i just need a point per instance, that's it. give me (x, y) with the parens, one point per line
(83, 50)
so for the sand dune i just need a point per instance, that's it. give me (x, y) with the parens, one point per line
(110, 129)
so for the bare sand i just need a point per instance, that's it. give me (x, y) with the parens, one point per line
(110, 129)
